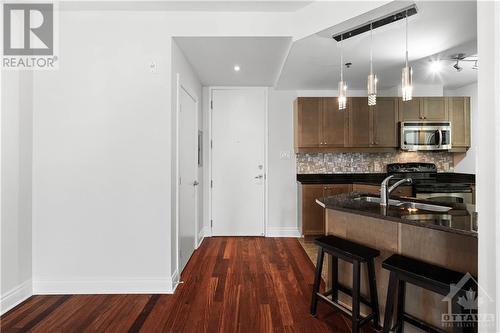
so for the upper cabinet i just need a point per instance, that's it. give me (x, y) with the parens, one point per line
(424, 108)
(319, 123)
(321, 127)
(459, 115)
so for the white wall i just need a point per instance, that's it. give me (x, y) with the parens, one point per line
(102, 158)
(488, 159)
(466, 163)
(281, 177)
(16, 168)
(190, 81)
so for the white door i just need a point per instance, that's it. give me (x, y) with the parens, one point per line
(238, 161)
(188, 174)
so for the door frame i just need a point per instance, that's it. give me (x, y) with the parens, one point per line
(179, 87)
(206, 182)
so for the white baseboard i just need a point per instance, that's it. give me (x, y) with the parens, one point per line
(122, 286)
(283, 232)
(205, 232)
(15, 296)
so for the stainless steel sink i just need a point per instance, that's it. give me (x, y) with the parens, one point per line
(392, 202)
(408, 204)
(423, 206)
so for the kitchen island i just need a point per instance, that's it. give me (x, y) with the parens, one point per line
(448, 239)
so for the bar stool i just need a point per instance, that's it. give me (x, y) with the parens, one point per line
(424, 275)
(356, 254)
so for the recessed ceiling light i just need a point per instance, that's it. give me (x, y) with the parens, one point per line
(236, 68)
(435, 66)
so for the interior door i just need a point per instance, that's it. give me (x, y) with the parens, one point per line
(188, 173)
(238, 161)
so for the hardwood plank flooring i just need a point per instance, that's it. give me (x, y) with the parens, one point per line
(231, 284)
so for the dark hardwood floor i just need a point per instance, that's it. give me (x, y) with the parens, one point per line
(231, 284)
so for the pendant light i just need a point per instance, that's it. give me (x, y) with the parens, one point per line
(342, 99)
(407, 72)
(372, 79)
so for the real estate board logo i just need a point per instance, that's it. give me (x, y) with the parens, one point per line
(29, 36)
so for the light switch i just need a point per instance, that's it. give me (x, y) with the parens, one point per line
(153, 67)
(285, 155)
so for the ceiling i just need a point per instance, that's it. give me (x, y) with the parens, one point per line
(438, 30)
(188, 5)
(213, 59)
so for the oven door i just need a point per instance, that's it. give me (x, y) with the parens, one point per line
(421, 136)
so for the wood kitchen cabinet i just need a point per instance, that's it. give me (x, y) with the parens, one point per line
(459, 115)
(373, 126)
(319, 123)
(401, 191)
(424, 108)
(312, 214)
(321, 127)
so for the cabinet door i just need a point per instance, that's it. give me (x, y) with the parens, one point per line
(359, 122)
(313, 220)
(385, 123)
(335, 123)
(373, 189)
(435, 108)
(308, 122)
(410, 110)
(459, 114)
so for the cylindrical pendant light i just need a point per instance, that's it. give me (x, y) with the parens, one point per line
(372, 79)
(342, 99)
(407, 72)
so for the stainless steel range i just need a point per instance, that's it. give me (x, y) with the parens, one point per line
(426, 186)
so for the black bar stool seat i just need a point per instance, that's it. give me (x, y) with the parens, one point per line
(425, 275)
(356, 254)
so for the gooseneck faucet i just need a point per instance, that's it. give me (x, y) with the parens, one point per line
(385, 190)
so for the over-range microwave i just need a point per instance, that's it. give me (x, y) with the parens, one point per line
(425, 135)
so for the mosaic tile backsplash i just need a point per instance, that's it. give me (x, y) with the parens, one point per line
(368, 162)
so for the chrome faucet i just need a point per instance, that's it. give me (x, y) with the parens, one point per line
(385, 191)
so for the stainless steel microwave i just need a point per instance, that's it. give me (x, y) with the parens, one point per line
(425, 135)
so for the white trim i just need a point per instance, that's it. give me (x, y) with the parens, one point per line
(91, 286)
(283, 232)
(15, 296)
(266, 144)
(180, 86)
(204, 232)
(176, 280)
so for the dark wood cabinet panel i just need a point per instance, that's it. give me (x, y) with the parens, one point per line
(308, 122)
(410, 110)
(435, 108)
(360, 124)
(459, 115)
(335, 123)
(385, 122)
(313, 215)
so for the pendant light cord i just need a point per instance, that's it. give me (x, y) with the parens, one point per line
(341, 58)
(406, 19)
(371, 48)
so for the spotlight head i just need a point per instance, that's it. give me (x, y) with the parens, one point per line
(457, 67)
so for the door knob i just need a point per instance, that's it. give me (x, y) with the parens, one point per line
(259, 177)
(195, 183)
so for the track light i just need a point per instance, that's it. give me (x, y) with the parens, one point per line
(457, 66)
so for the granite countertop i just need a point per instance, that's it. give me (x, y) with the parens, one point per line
(376, 178)
(458, 220)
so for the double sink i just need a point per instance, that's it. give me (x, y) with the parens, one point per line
(407, 204)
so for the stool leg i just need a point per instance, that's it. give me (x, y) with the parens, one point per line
(317, 281)
(389, 304)
(373, 293)
(334, 278)
(355, 296)
(401, 306)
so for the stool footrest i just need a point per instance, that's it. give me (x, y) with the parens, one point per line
(344, 309)
(420, 324)
(348, 291)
